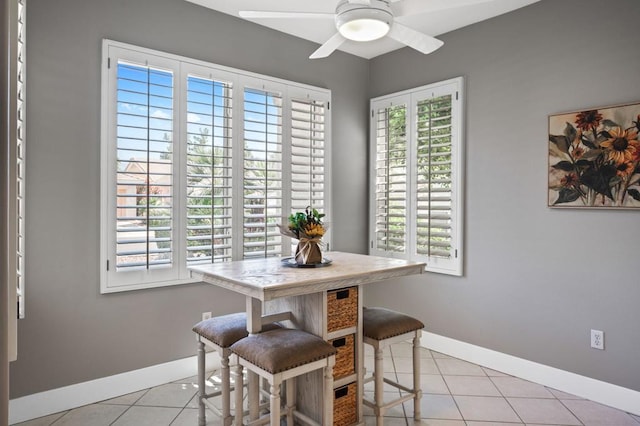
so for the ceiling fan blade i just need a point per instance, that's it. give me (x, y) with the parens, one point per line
(259, 14)
(414, 39)
(418, 7)
(328, 47)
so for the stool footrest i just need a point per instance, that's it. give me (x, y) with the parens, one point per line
(398, 385)
(217, 393)
(211, 407)
(389, 404)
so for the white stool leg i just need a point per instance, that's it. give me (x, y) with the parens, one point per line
(290, 386)
(416, 376)
(239, 388)
(274, 399)
(201, 384)
(378, 375)
(226, 387)
(327, 416)
(253, 391)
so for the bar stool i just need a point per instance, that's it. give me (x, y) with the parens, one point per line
(220, 333)
(280, 356)
(382, 327)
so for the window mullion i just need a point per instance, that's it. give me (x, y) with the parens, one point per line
(238, 172)
(286, 167)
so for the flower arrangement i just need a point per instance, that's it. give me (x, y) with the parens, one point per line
(307, 227)
(307, 223)
(595, 161)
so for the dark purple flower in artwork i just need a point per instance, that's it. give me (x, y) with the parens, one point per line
(569, 180)
(625, 169)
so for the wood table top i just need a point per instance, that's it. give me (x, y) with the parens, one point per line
(270, 278)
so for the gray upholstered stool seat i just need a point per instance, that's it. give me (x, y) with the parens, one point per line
(225, 330)
(282, 355)
(220, 333)
(380, 328)
(381, 323)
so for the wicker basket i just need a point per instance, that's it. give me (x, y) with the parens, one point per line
(345, 410)
(342, 309)
(346, 356)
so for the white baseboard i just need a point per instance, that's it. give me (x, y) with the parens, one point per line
(595, 390)
(56, 400)
(73, 396)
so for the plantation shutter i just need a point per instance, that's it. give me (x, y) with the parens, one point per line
(417, 176)
(262, 173)
(20, 157)
(12, 192)
(209, 170)
(309, 116)
(308, 154)
(391, 178)
(433, 180)
(145, 167)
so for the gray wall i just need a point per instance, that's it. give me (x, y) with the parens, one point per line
(536, 279)
(72, 333)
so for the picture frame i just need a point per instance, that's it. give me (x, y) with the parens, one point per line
(594, 158)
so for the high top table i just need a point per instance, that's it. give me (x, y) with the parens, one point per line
(305, 298)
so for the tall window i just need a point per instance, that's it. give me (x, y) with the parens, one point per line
(262, 173)
(309, 155)
(309, 180)
(144, 129)
(209, 169)
(198, 163)
(417, 175)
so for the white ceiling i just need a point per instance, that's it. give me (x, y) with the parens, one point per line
(442, 16)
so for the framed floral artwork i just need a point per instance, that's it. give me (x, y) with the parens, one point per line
(594, 158)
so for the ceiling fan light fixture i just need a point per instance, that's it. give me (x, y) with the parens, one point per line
(364, 24)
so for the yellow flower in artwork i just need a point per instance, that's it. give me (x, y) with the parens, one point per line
(622, 146)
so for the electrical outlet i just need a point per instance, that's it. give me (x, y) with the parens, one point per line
(206, 315)
(597, 339)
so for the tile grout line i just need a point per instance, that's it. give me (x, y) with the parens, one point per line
(554, 397)
(506, 399)
(450, 391)
(395, 370)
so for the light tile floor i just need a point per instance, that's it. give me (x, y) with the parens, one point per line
(456, 393)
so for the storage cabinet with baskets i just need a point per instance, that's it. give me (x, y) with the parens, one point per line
(343, 331)
(333, 315)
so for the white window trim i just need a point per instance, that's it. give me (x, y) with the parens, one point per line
(239, 79)
(410, 97)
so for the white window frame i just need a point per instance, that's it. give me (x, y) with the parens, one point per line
(410, 98)
(112, 51)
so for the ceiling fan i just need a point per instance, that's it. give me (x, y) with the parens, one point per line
(368, 20)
